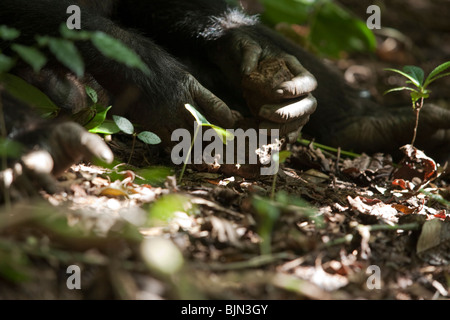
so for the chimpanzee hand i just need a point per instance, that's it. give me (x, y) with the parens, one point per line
(214, 109)
(163, 111)
(288, 103)
(68, 143)
(55, 149)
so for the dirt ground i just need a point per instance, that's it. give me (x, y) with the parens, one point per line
(337, 227)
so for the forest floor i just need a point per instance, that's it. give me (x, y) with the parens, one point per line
(336, 227)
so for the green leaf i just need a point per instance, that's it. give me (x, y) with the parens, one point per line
(223, 134)
(43, 41)
(8, 34)
(436, 77)
(99, 118)
(336, 30)
(30, 55)
(406, 75)
(289, 11)
(124, 124)
(283, 155)
(439, 69)
(10, 148)
(202, 121)
(29, 94)
(66, 53)
(76, 35)
(416, 73)
(333, 29)
(149, 137)
(107, 127)
(6, 63)
(199, 118)
(166, 208)
(415, 96)
(92, 94)
(268, 213)
(114, 49)
(14, 263)
(400, 89)
(153, 175)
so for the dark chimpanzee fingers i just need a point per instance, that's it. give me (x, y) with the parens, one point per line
(18, 184)
(39, 161)
(288, 128)
(303, 82)
(37, 167)
(293, 136)
(31, 173)
(94, 146)
(251, 54)
(214, 109)
(289, 111)
(70, 143)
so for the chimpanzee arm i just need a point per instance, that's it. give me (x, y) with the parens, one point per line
(230, 39)
(158, 98)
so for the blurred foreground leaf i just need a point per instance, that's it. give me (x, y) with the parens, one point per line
(333, 29)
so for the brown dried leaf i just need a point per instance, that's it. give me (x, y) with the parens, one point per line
(417, 168)
(113, 192)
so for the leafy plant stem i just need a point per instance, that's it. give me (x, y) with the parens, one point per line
(417, 110)
(132, 148)
(188, 154)
(306, 142)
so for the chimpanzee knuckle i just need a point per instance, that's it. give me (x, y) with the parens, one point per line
(293, 64)
(78, 142)
(191, 85)
(290, 59)
(313, 103)
(39, 161)
(96, 147)
(253, 47)
(191, 79)
(311, 82)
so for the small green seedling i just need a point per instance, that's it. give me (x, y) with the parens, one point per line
(202, 122)
(268, 213)
(419, 91)
(98, 123)
(278, 157)
(270, 210)
(127, 127)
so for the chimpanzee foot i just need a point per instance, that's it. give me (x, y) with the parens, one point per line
(54, 150)
(69, 143)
